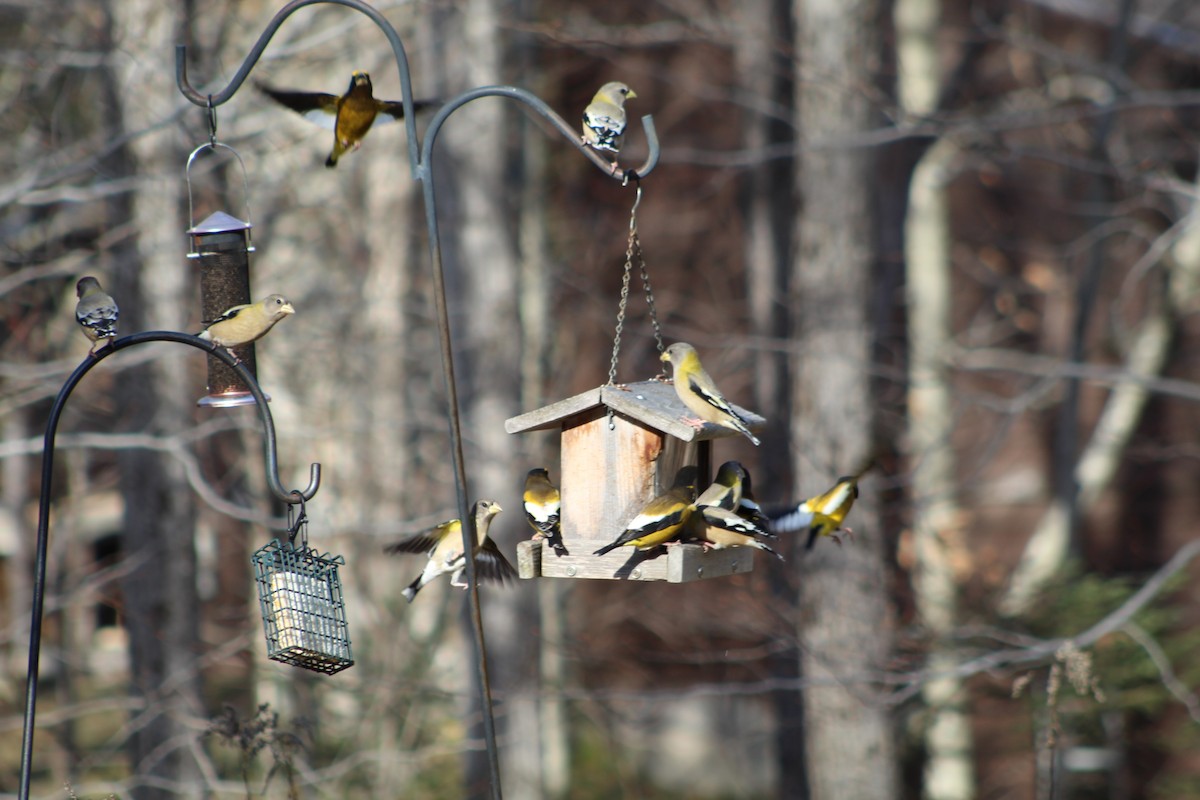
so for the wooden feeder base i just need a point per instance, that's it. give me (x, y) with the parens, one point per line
(682, 563)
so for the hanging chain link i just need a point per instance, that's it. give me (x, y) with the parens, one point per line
(633, 251)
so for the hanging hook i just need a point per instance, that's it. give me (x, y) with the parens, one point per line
(300, 521)
(212, 123)
(637, 200)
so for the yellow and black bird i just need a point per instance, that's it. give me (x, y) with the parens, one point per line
(697, 390)
(96, 312)
(443, 544)
(543, 507)
(747, 507)
(717, 528)
(604, 118)
(247, 323)
(350, 115)
(824, 514)
(663, 518)
(727, 487)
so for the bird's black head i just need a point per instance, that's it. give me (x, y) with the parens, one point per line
(359, 80)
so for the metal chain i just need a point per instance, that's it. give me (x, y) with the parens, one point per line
(634, 246)
(658, 340)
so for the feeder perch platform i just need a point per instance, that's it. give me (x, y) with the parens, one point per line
(608, 474)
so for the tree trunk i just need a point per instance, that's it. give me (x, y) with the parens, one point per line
(845, 630)
(160, 601)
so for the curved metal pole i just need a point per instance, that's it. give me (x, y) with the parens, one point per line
(425, 175)
(239, 77)
(43, 532)
(539, 107)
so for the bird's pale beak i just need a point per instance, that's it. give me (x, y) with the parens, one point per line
(286, 308)
(632, 94)
(665, 357)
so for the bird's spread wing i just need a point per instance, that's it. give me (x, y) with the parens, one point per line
(393, 110)
(491, 565)
(316, 107)
(798, 519)
(421, 543)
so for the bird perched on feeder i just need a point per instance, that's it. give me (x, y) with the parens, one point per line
(748, 508)
(604, 118)
(542, 509)
(823, 515)
(717, 528)
(96, 312)
(246, 323)
(445, 549)
(662, 519)
(700, 394)
(349, 116)
(726, 489)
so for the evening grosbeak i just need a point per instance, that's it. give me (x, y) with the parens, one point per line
(604, 118)
(444, 547)
(662, 519)
(95, 312)
(747, 507)
(717, 528)
(542, 509)
(823, 515)
(349, 116)
(726, 489)
(700, 394)
(246, 323)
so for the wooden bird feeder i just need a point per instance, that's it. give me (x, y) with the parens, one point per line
(609, 472)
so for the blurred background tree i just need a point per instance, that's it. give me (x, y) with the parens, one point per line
(956, 237)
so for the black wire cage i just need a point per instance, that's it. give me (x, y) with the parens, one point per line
(303, 611)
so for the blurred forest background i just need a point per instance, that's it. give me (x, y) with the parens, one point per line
(960, 236)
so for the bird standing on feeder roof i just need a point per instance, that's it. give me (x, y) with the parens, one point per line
(604, 118)
(96, 312)
(543, 507)
(444, 546)
(700, 393)
(717, 528)
(350, 116)
(662, 519)
(823, 515)
(246, 323)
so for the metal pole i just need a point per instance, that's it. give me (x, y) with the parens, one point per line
(43, 531)
(421, 166)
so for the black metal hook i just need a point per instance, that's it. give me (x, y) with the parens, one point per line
(43, 531)
(212, 123)
(239, 77)
(301, 519)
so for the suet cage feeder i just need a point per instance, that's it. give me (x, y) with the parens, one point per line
(221, 244)
(621, 445)
(303, 611)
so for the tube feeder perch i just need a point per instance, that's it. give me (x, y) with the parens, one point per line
(608, 472)
(303, 610)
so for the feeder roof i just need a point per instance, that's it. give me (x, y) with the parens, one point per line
(652, 403)
(220, 222)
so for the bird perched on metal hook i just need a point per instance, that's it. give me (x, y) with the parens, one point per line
(543, 507)
(604, 118)
(350, 116)
(824, 514)
(662, 519)
(246, 323)
(96, 312)
(444, 547)
(700, 394)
